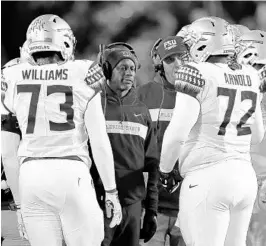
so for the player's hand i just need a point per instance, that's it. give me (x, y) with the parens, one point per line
(149, 226)
(21, 226)
(170, 181)
(94, 77)
(113, 207)
(4, 185)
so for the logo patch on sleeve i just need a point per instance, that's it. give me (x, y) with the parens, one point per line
(191, 75)
(189, 80)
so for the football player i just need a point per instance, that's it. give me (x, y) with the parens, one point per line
(251, 49)
(221, 113)
(53, 98)
(10, 132)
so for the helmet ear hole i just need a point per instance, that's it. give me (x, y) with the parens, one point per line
(247, 55)
(66, 44)
(201, 48)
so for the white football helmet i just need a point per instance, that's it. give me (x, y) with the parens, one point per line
(25, 55)
(183, 31)
(49, 33)
(209, 36)
(239, 29)
(261, 59)
(251, 47)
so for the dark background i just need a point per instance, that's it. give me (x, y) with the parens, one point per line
(139, 23)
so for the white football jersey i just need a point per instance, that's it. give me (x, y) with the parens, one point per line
(49, 102)
(228, 101)
(258, 152)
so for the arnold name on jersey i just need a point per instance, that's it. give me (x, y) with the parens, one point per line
(37, 74)
(240, 79)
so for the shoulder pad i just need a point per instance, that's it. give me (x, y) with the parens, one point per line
(189, 80)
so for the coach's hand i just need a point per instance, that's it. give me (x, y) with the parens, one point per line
(113, 207)
(149, 226)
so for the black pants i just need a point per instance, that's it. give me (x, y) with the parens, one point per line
(127, 233)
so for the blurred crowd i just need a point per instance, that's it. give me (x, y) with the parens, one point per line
(139, 23)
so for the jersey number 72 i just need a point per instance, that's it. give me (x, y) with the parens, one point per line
(231, 94)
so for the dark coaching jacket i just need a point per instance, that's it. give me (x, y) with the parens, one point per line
(159, 97)
(133, 142)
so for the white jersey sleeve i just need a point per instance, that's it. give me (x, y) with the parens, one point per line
(184, 117)
(100, 144)
(257, 128)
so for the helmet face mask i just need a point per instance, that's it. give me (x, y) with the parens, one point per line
(209, 36)
(50, 33)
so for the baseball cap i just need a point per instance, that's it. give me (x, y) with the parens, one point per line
(171, 45)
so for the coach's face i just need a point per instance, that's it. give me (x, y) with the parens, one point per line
(171, 65)
(123, 75)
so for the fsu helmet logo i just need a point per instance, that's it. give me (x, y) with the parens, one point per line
(168, 45)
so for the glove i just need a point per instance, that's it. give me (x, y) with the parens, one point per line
(170, 181)
(4, 185)
(95, 78)
(149, 226)
(21, 226)
(113, 207)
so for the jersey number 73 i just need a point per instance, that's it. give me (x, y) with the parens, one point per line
(66, 107)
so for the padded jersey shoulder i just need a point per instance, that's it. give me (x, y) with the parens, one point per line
(189, 80)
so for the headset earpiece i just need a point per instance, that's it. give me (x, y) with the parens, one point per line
(107, 70)
(105, 65)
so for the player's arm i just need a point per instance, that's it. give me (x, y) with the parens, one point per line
(257, 127)
(100, 144)
(184, 117)
(103, 156)
(10, 139)
(189, 83)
